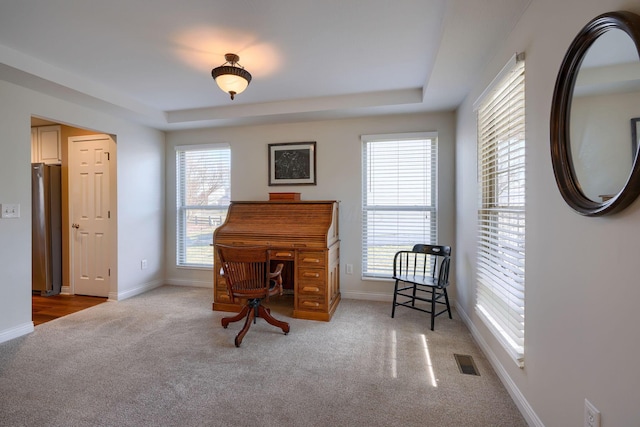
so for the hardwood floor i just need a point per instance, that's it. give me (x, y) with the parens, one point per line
(45, 309)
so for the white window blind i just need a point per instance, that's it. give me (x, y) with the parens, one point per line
(203, 190)
(399, 196)
(501, 214)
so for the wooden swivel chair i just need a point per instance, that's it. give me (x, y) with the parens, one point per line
(422, 274)
(246, 271)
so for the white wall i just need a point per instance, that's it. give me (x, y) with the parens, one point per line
(338, 178)
(140, 199)
(581, 274)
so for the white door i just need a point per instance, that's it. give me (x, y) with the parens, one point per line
(89, 214)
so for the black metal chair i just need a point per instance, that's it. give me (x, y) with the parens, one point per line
(422, 274)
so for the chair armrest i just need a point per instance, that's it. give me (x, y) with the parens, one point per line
(276, 276)
(398, 268)
(277, 271)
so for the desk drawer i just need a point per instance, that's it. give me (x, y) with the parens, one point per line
(221, 291)
(222, 296)
(312, 259)
(282, 255)
(311, 303)
(311, 288)
(311, 275)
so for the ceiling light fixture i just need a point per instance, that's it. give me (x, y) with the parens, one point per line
(231, 77)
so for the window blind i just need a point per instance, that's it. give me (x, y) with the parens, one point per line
(203, 194)
(398, 197)
(501, 214)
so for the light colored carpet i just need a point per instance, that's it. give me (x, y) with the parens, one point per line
(162, 359)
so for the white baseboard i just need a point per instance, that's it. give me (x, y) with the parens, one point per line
(119, 296)
(18, 331)
(525, 409)
(367, 296)
(195, 283)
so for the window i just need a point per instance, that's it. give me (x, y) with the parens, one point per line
(501, 212)
(398, 197)
(203, 189)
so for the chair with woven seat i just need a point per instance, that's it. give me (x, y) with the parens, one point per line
(422, 275)
(246, 270)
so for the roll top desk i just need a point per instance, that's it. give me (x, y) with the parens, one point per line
(303, 234)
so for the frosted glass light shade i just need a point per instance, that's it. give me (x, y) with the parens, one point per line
(232, 83)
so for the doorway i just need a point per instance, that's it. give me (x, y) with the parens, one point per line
(108, 254)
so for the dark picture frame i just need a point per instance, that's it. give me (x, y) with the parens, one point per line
(635, 134)
(292, 163)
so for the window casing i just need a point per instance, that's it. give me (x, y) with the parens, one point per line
(501, 212)
(203, 194)
(399, 197)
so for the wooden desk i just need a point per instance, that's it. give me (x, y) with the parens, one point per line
(304, 233)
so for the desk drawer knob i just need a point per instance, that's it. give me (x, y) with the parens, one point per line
(289, 254)
(310, 289)
(309, 274)
(311, 304)
(314, 260)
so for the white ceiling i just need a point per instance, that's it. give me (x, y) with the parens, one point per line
(151, 60)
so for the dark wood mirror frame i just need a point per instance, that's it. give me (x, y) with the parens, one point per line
(561, 111)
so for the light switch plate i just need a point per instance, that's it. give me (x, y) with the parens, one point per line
(9, 210)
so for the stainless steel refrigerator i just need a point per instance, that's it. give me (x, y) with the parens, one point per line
(46, 210)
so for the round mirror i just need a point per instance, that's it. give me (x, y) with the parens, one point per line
(594, 116)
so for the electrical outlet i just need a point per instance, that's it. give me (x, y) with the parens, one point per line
(143, 264)
(591, 415)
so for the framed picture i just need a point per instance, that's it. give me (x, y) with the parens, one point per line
(635, 136)
(292, 163)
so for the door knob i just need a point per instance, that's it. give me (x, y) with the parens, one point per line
(76, 226)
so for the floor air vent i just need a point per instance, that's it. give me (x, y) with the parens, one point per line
(466, 365)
